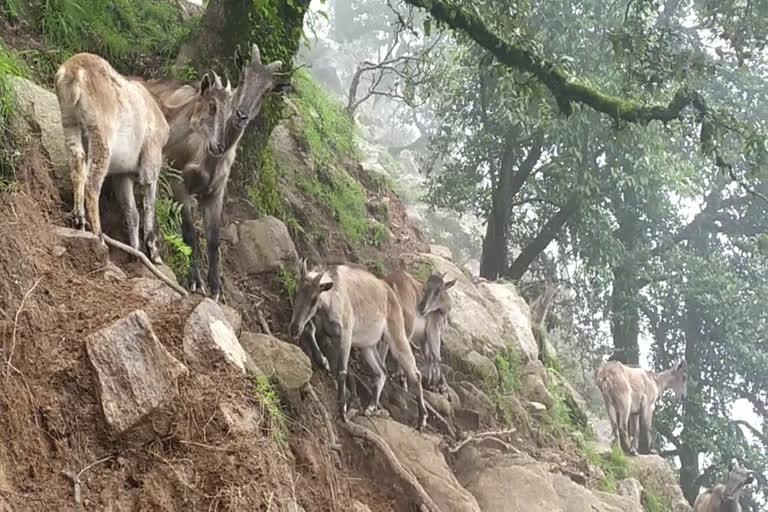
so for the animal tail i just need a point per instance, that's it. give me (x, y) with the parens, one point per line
(68, 86)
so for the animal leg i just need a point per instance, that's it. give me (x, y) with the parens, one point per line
(634, 430)
(99, 155)
(123, 185)
(644, 432)
(371, 356)
(73, 137)
(190, 236)
(398, 374)
(310, 332)
(149, 172)
(344, 338)
(622, 413)
(211, 207)
(394, 335)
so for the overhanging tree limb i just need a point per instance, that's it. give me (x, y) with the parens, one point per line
(566, 91)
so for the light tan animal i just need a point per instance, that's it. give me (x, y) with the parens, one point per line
(540, 306)
(354, 308)
(725, 498)
(206, 127)
(112, 126)
(425, 311)
(631, 391)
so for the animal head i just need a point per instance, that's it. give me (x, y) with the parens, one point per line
(435, 295)
(256, 83)
(679, 383)
(211, 109)
(738, 478)
(308, 291)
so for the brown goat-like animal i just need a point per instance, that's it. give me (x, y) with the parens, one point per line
(205, 167)
(354, 308)
(725, 498)
(631, 391)
(425, 311)
(111, 126)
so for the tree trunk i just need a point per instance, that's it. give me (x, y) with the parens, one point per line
(493, 260)
(548, 233)
(352, 97)
(625, 317)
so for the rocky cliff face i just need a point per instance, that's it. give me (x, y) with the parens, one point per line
(121, 395)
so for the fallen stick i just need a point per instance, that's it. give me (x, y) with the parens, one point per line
(9, 362)
(363, 433)
(76, 479)
(486, 435)
(143, 257)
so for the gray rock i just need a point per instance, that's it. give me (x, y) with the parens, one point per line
(630, 488)
(480, 366)
(655, 474)
(285, 361)
(505, 303)
(210, 339)
(154, 290)
(138, 269)
(134, 372)
(264, 245)
(442, 251)
(420, 455)
(234, 317)
(241, 417)
(473, 399)
(84, 249)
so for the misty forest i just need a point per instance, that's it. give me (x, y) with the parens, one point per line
(565, 185)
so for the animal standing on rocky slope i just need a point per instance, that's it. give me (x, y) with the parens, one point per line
(354, 308)
(205, 158)
(111, 126)
(725, 498)
(424, 320)
(631, 391)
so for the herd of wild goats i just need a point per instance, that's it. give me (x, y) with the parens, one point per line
(127, 127)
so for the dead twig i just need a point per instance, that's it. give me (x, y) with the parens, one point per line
(334, 442)
(143, 257)
(494, 435)
(76, 479)
(8, 362)
(263, 323)
(363, 433)
(438, 416)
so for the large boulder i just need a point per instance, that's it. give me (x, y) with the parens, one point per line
(506, 304)
(134, 372)
(264, 245)
(286, 361)
(209, 339)
(656, 475)
(40, 104)
(154, 290)
(420, 455)
(83, 249)
(442, 251)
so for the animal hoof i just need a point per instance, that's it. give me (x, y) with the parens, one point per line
(382, 413)
(370, 410)
(325, 364)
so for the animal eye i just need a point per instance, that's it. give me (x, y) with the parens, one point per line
(212, 108)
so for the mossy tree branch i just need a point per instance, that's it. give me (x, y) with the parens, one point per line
(567, 91)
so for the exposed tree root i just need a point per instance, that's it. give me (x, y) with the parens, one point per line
(484, 436)
(363, 433)
(143, 257)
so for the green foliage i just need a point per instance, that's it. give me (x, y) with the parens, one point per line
(615, 466)
(329, 132)
(653, 502)
(265, 193)
(9, 66)
(177, 253)
(422, 271)
(510, 370)
(288, 277)
(377, 268)
(121, 31)
(277, 422)
(379, 234)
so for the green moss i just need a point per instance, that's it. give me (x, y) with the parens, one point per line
(121, 31)
(614, 465)
(379, 235)
(329, 132)
(263, 192)
(510, 369)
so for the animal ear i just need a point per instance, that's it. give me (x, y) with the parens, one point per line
(205, 84)
(274, 67)
(449, 284)
(324, 287)
(239, 59)
(303, 271)
(255, 53)
(733, 464)
(683, 365)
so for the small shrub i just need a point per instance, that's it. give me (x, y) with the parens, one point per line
(377, 268)
(653, 502)
(264, 392)
(9, 66)
(380, 235)
(177, 254)
(288, 278)
(615, 466)
(422, 271)
(510, 369)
